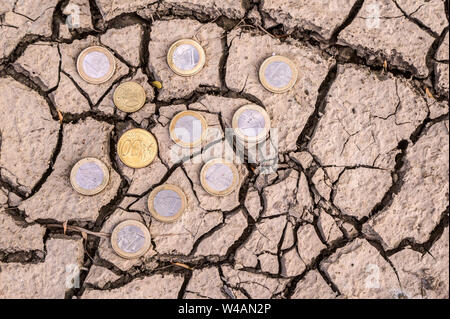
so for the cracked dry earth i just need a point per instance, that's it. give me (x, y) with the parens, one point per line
(358, 207)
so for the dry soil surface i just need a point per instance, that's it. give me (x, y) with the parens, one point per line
(358, 207)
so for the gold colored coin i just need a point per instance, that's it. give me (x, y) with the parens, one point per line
(96, 64)
(137, 148)
(219, 177)
(186, 57)
(278, 74)
(251, 123)
(130, 239)
(167, 203)
(188, 128)
(89, 176)
(129, 96)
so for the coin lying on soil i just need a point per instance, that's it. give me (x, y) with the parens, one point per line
(278, 74)
(89, 176)
(186, 57)
(137, 148)
(129, 96)
(219, 177)
(96, 64)
(167, 203)
(130, 239)
(251, 123)
(188, 128)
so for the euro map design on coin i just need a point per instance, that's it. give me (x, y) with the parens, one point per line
(188, 129)
(130, 239)
(278, 74)
(251, 123)
(219, 177)
(89, 176)
(167, 202)
(186, 57)
(96, 64)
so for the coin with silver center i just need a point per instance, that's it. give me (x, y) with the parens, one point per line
(89, 176)
(188, 128)
(96, 64)
(251, 123)
(219, 177)
(186, 57)
(130, 239)
(167, 203)
(278, 74)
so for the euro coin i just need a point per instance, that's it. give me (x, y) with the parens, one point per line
(137, 148)
(130, 239)
(89, 176)
(251, 123)
(278, 74)
(166, 203)
(129, 97)
(219, 177)
(186, 57)
(188, 128)
(96, 64)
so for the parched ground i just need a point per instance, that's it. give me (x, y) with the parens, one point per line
(358, 207)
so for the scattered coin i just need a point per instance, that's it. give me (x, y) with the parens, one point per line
(137, 148)
(96, 64)
(188, 128)
(129, 97)
(89, 176)
(219, 177)
(186, 57)
(130, 239)
(278, 74)
(251, 123)
(166, 203)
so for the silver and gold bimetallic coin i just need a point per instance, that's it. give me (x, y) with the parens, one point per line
(219, 177)
(96, 64)
(251, 123)
(186, 57)
(166, 203)
(278, 74)
(130, 239)
(188, 128)
(137, 148)
(89, 176)
(129, 96)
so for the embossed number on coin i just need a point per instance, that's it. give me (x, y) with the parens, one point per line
(137, 148)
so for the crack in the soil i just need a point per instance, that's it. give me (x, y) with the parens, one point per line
(343, 55)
